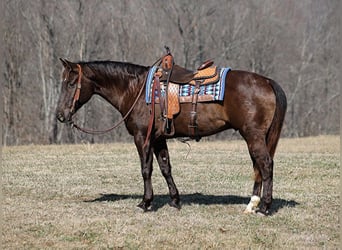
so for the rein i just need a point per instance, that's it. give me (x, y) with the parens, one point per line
(77, 96)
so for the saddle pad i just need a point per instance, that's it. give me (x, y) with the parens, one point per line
(209, 92)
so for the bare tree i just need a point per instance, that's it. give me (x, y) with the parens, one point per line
(293, 42)
(12, 82)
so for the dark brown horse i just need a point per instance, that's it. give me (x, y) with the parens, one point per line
(254, 105)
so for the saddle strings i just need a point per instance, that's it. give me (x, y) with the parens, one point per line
(186, 140)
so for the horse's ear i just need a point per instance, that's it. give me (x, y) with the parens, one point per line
(64, 62)
(68, 64)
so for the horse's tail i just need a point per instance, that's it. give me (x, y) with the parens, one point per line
(273, 133)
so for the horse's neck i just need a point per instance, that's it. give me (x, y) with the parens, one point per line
(119, 90)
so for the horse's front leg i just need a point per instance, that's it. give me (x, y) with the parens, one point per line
(162, 154)
(146, 160)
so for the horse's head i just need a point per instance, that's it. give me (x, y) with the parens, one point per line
(76, 91)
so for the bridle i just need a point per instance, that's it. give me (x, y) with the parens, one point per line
(78, 89)
(77, 97)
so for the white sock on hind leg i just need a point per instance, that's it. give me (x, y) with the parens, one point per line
(252, 205)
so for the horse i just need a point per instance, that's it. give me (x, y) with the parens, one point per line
(253, 105)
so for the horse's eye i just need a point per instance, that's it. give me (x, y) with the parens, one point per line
(71, 84)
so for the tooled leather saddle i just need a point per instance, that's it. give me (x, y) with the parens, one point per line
(168, 79)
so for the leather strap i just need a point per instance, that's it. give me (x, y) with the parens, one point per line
(161, 98)
(78, 89)
(193, 132)
(151, 120)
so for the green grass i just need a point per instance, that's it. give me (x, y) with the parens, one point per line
(85, 197)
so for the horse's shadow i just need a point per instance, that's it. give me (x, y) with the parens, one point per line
(197, 198)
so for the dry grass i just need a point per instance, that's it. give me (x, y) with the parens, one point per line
(84, 196)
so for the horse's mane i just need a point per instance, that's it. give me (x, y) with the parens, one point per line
(108, 70)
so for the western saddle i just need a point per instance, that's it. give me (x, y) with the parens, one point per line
(168, 77)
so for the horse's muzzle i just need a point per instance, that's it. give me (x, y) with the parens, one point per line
(60, 117)
(64, 117)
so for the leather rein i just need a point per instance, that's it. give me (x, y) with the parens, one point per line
(77, 96)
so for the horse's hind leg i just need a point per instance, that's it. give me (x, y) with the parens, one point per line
(162, 154)
(255, 199)
(263, 170)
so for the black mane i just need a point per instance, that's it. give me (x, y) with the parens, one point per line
(114, 69)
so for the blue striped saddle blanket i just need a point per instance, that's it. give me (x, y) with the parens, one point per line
(208, 92)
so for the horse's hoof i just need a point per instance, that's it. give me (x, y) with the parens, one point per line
(263, 210)
(263, 213)
(143, 207)
(249, 211)
(175, 204)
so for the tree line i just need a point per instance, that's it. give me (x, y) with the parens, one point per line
(292, 42)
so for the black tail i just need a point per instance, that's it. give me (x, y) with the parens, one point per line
(273, 134)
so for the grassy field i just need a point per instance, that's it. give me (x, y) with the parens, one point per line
(85, 197)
